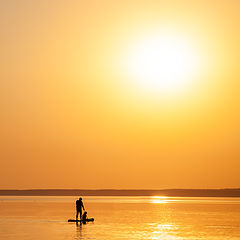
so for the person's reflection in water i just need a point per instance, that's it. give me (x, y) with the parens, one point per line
(79, 230)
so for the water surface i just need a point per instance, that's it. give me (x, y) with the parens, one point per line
(121, 218)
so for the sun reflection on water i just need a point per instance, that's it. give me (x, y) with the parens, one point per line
(165, 226)
(159, 199)
(163, 231)
(165, 236)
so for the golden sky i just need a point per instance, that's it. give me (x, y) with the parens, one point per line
(120, 94)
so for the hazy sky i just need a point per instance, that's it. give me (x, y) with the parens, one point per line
(82, 105)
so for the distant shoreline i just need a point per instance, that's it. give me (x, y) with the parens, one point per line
(227, 192)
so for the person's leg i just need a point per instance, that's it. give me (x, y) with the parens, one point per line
(80, 214)
(76, 214)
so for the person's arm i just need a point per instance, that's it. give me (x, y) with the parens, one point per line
(83, 207)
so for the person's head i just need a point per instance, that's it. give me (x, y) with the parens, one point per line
(80, 199)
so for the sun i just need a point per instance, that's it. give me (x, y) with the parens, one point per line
(164, 63)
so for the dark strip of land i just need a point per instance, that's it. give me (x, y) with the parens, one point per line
(228, 192)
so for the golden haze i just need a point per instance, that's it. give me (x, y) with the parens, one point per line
(73, 116)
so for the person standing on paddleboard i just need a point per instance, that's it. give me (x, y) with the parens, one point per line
(79, 207)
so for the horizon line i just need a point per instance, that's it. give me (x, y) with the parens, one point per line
(118, 189)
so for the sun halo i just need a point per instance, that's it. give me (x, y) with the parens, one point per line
(164, 64)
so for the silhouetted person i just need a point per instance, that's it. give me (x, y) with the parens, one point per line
(79, 207)
(84, 217)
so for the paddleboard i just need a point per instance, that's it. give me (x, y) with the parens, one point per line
(87, 220)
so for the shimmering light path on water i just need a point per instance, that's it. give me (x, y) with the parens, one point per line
(121, 218)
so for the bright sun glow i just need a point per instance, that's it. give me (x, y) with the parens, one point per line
(165, 63)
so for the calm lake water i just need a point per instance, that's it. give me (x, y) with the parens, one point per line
(167, 218)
